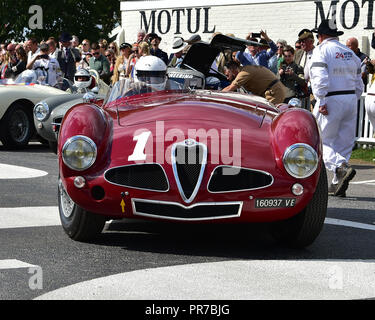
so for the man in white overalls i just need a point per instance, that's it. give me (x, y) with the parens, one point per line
(335, 75)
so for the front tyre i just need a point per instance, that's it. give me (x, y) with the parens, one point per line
(17, 126)
(301, 230)
(78, 224)
(53, 146)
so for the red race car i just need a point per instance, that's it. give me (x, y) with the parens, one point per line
(194, 156)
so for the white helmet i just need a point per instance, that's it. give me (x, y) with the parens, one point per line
(151, 70)
(82, 78)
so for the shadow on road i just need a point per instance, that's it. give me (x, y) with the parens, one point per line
(33, 147)
(245, 241)
(363, 167)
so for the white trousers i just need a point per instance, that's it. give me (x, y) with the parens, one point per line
(370, 108)
(337, 129)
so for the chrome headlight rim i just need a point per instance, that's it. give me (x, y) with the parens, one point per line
(86, 140)
(308, 148)
(46, 110)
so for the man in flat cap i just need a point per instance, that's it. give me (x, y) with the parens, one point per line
(302, 57)
(258, 80)
(336, 83)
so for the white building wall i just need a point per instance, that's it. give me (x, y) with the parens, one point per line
(280, 19)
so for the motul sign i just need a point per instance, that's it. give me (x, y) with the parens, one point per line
(350, 13)
(193, 20)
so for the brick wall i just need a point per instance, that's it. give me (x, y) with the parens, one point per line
(281, 19)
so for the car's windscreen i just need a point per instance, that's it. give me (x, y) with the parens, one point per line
(39, 77)
(28, 77)
(127, 88)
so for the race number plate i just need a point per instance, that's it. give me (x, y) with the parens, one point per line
(275, 203)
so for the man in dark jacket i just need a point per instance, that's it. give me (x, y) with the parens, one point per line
(154, 40)
(292, 75)
(68, 56)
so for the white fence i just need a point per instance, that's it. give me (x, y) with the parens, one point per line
(365, 131)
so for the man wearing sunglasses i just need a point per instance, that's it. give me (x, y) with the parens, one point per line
(303, 57)
(100, 63)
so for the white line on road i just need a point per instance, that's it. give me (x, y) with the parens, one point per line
(352, 224)
(240, 279)
(16, 172)
(29, 217)
(14, 264)
(364, 182)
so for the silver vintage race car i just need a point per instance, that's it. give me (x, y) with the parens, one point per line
(48, 113)
(18, 98)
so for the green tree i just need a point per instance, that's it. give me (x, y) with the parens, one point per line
(91, 19)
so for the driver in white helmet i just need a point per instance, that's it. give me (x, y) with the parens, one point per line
(151, 71)
(83, 81)
(150, 75)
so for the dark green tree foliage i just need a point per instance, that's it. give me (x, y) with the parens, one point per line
(91, 19)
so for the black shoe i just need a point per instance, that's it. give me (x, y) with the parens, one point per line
(344, 174)
(332, 191)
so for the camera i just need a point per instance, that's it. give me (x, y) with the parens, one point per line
(44, 56)
(370, 67)
(255, 35)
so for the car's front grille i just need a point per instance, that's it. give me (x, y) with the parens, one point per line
(188, 161)
(146, 176)
(230, 179)
(56, 124)
(176, 211)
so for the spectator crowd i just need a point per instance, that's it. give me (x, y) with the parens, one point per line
(289, 63)
(63, 56)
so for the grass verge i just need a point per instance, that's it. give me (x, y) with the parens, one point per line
(367, 155)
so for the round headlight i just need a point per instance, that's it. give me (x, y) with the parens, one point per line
(300, 160)
(41, 111)
(79, 153)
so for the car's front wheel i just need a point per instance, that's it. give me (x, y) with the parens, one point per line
(78, 223)
(17, 126)
(53, 146)
(301, 230)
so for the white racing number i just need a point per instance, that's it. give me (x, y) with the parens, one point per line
(138, 152)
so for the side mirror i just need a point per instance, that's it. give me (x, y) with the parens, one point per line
(295, 102)
(89, 97)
